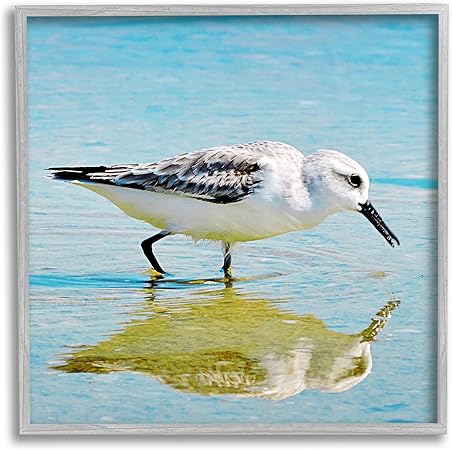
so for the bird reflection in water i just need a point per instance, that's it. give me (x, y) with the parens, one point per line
(227, 342)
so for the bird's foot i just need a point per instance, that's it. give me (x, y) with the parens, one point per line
(227, 273)
(157, 274)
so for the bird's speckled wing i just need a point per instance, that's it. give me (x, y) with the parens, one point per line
(220, 174)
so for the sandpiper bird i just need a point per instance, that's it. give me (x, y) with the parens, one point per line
(234, 193)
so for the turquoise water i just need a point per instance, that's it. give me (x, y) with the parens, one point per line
(290, 340)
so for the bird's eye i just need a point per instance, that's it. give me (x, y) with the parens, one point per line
(354, 180)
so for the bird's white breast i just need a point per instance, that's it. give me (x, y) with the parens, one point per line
(256, 217)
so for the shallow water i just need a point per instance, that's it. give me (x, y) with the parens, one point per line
(293, 339)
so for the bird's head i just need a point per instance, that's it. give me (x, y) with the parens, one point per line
(339, 183)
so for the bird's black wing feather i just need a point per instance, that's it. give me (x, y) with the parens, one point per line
(220, 175)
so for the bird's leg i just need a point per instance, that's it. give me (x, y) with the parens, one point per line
(227, 263)
(146, 245)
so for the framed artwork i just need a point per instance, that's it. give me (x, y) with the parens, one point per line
(302, 148)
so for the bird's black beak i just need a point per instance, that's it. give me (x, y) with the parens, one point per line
(368, 211)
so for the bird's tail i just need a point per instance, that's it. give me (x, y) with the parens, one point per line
(92, 174)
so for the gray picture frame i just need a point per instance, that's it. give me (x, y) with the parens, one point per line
(22, 13)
